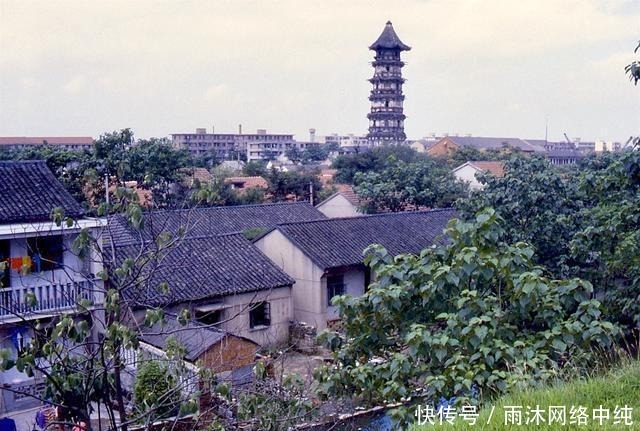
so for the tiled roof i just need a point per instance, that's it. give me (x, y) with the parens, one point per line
(29, 192)
(349, 194)
(388, 39)
(341, 241)
(199, 268)
(495, 168)
(50, 140)
(194, 337)
(201, 174)
(198, 222)
(247, 182)
(485, 143)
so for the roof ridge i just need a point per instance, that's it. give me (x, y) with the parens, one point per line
(222, 207)
(365, 216)
(22, 162)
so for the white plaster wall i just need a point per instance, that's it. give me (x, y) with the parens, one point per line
(307, 292)
(354, 286)
(338, 206)
(468, 174)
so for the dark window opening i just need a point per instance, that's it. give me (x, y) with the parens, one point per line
(5, 277)
(213, 317)
(335, 287)
(260, 315)
(46, 253)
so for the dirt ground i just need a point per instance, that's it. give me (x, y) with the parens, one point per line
(294, 362)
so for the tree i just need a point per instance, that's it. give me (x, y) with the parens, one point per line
(296, 185)
(314, 153)
(633, 68)
(255, 169)
(469, 319)
(294, 154)
(606, 245)
(538, 204)
(401, 186)
(375, 159)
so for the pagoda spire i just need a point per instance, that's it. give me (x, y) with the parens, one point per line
(386, 119)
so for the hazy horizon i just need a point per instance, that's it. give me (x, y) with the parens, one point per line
(486, 68)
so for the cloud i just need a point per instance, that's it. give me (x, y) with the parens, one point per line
(287, 66)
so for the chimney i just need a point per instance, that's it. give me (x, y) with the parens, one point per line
(239, 129)
(213, 129)
(312, 135)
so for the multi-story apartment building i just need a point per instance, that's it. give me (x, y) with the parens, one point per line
(73, 143)
(42, 275)
(256, 146)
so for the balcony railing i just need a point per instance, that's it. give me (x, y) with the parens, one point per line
(17, 301)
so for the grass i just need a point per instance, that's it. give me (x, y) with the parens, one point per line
(617, 388)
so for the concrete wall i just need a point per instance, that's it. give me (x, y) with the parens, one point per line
(338, 206)
(308, 291)
(467, 173)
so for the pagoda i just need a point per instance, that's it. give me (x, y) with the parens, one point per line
(386, 119)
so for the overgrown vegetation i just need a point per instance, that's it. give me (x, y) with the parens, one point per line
(620, 387)
(470, 319)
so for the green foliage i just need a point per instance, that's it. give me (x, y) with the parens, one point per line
(617, 388)
(538, 205)
(253, 232)
(293, 184)
(633, 68)
(156, 392)
(582, 223)
(402, 186)
(274, 406)
(474, 315)
(464, 154)
(255, 169)
(372, 160)
(606, 245)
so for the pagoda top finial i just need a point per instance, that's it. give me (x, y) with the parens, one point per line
(388, 39)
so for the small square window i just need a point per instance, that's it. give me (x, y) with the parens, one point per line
(335, 287)
(260, 315)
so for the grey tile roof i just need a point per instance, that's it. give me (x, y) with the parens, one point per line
(194, 337)
(198, 222)
(29, 191)
(198, 268)
(495, 143)
(388, 39)
(341, 241)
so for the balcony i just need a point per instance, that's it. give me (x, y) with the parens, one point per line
(50, 298)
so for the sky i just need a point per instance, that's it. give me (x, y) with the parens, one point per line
(481, 67)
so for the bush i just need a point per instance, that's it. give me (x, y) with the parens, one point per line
(156, 391)
(469, 319)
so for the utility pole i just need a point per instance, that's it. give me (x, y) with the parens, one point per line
(106, 188)
(311, 192)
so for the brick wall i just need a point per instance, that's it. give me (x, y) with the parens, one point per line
(229, 354)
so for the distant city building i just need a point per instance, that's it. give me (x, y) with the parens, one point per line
(73, 143)
(386, 119)
(257, 146)
(349, 140)
(601, 146)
